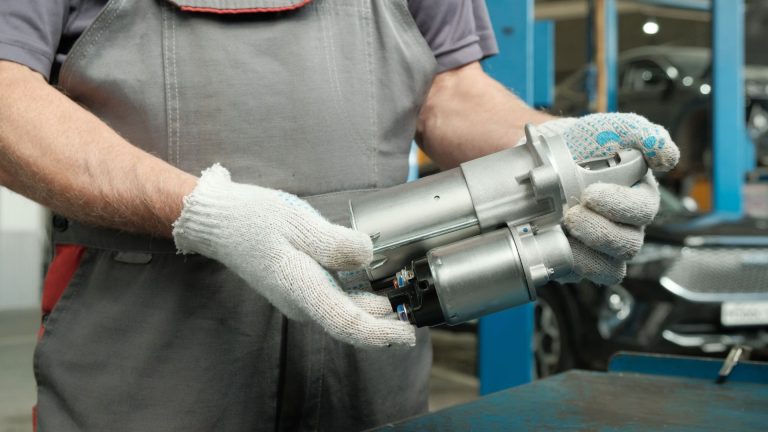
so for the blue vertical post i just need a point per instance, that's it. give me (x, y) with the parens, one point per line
(729, 143)
(506, 338)
(543, 64)
(611, 23)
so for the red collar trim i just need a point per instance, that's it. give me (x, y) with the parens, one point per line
(239, 11)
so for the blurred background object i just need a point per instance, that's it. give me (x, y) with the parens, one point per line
(23, 248)
(700, 284)
(23, 242)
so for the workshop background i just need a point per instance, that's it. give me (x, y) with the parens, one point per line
(699, 286)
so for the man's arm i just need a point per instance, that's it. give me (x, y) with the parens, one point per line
(57, 153)
(468, 114)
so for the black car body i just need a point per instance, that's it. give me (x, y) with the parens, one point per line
(671, 86)
(698, 286)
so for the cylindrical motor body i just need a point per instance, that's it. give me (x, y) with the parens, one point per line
(406, 221)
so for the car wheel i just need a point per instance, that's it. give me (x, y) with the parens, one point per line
(552, 340)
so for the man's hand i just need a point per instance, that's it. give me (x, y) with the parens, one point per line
(280, 245)
(608, 226)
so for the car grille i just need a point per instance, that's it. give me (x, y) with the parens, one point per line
(719, 273)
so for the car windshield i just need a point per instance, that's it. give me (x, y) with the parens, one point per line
(693, 62)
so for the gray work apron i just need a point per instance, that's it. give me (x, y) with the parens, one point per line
(317, 99)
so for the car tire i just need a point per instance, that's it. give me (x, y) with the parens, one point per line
(554, 332)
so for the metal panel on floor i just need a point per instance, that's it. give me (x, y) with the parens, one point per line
(652, 398)
(687, 367)
(505, 338)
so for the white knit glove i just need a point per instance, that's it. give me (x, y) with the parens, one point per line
(279, 244)
(608, 227)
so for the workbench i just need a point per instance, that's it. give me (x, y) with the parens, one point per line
(639, 393)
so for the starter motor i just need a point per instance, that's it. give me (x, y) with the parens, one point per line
(479, 238)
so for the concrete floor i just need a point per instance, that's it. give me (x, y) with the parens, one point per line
(452, 381)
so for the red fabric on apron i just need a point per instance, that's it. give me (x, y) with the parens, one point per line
(63, 266)
(60, 272)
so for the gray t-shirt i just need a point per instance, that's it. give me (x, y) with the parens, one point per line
(40, 33)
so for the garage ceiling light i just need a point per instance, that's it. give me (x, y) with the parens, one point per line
(651, 27)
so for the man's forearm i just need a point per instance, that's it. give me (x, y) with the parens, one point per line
(468, 114)
(60, 155)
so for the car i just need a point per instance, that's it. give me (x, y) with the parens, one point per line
(698, 286)
(671, 86)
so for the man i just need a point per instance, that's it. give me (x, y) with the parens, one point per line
(269, 99)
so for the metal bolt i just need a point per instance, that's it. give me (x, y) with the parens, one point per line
(402, 312)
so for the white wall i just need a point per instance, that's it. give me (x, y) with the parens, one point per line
(22, 247)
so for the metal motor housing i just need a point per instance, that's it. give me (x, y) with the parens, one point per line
(488, 231)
